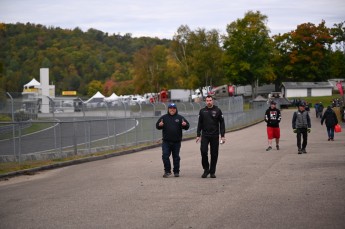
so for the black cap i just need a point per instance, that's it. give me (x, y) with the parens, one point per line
(273, 102)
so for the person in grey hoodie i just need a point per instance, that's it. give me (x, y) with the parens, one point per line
(301, 125)
(171, 125)
(331, 120)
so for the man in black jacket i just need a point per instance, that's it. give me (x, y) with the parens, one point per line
(331, 121)
(172, 124)
(210, 126)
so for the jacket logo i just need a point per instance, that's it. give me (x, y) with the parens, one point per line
(177, 120)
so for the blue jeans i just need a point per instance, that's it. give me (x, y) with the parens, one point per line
(169, 148)
(330, 132)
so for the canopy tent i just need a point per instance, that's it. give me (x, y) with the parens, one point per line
(96, 98)
(32, 83)
(112, 98)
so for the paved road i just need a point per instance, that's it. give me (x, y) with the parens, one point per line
(253, 188)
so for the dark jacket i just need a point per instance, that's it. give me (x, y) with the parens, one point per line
(211, 122)
(272, 117)
(330, 118)
(172, 128)
(301, 119)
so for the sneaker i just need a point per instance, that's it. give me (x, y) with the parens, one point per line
(332, 139)
(269, 148)
(213, 175)
(299, 151)
(303, 151)
(176, 174)
(205, 174)
(329, 139)
(166, 175)
(277, 146)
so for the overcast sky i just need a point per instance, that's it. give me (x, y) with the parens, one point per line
(161, 18)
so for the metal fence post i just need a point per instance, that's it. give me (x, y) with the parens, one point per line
(108, 135)
(114, 133)
(14, 127)
(75, 137)
(53, 110)
(19, 142)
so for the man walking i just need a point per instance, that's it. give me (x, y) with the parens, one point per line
(172, 124)
(301, 125)
(331, 121)
(272, 118)
(210, 126)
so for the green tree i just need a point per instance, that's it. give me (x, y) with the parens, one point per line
(338, 33)
(93, 87)
(150, 65)
(249, 50)
(337, 58)
(308, 49)
(199, 55)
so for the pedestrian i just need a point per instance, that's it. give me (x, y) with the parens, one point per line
(331, 121)
(320, 110)
(210, 126)
(272, 118)
(316, 106)
(171, 125)
(301, 125)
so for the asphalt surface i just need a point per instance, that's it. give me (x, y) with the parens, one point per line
(253, 188)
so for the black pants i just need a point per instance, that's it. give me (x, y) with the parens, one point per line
(214, 146)
(302, 132)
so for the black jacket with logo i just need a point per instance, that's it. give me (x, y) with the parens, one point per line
(211, 122)
(172, 128)
(273, 117)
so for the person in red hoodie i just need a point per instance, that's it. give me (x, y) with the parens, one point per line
(272, 118)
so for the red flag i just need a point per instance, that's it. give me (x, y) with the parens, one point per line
(340, 88)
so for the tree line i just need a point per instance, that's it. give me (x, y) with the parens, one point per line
(93, 61)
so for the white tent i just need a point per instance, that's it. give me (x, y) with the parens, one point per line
(96, 98)
(32, 83)
(112, 98)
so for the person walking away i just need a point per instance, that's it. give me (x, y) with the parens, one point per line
(210, 126)
(171, 125)
(301, 125)
(320, 110)
(272, 118)
(331, 121)
(316, 106)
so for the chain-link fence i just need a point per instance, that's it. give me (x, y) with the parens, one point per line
(70, 127)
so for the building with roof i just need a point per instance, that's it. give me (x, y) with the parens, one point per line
(306, 89)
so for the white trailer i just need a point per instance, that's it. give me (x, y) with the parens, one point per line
(180, 95)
